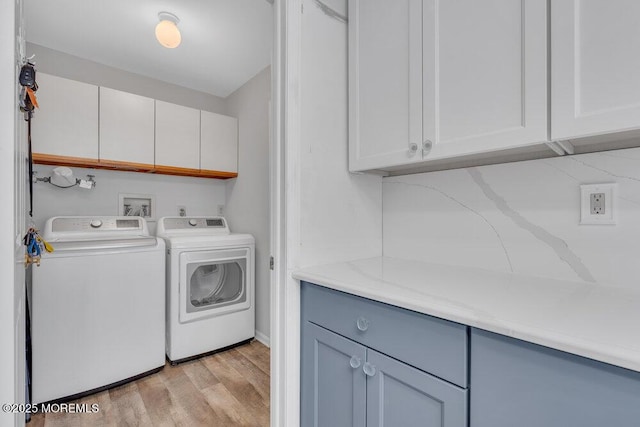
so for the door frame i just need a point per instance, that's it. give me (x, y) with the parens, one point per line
(13, 214)
(285, 213)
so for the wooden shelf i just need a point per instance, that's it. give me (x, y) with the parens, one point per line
(79, 162)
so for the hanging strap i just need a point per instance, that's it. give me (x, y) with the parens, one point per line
(30, 165)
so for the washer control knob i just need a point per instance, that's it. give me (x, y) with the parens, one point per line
(95, 223)
(193, 222)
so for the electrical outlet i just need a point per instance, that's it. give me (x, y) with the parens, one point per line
(598, 203)
(220, 210)
(182, 210)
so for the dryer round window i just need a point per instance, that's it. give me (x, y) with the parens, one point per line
(216, 285)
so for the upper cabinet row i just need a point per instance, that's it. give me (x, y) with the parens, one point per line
(123, 130)
(434, 80)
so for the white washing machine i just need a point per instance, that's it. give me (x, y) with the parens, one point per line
(210, 286)
(97, 306)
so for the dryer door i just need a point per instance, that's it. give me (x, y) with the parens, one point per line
(213, 283)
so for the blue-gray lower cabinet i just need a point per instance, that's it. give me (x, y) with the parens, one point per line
(515, 383)
(333, 391)
(346, 383)
(400, 395)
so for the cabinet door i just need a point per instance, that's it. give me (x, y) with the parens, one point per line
(400, 395)
(218, 142)
(514, 383)
(333, 388)
(595, 77)
(485, 75)
(66, 124)
(126, 127)
(177, 136)
(385, 83)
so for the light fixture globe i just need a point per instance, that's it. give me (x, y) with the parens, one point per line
(167, 31)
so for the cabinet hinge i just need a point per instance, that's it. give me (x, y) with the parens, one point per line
(271, 262)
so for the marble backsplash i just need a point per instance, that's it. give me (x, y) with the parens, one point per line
(519, 217)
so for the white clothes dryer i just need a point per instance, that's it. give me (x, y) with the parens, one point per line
(97, 306)
(210, 286)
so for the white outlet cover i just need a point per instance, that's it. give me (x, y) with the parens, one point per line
(610, 216)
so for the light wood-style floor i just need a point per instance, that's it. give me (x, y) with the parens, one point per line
(230, 388)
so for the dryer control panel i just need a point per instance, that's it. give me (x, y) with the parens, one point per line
(193, 225)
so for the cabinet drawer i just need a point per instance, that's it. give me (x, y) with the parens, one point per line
(433, 345)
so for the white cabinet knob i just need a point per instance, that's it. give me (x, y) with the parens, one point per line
(362, 324)
(355, 362)
(369, 369)
(413, 149)
(426, 146)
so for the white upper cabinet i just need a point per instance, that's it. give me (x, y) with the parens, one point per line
(385, 83)
(218, 142)
(485, 75)
(126, 127)
(66, 124)
(435, 79)
(177, 136)
(595, 67)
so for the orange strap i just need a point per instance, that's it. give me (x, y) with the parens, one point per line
(32, 96)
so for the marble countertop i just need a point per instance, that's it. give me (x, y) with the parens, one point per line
(595, 321)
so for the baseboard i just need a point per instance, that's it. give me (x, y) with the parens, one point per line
(263, 338)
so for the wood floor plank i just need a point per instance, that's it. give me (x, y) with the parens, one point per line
(37, 420)
(106, 416)
(258, 354)
(61, 419)
(199, 375)
(257, 412)
(157, 400)
(251, 373)
(226, 405)
(126, 400)
(195, 410)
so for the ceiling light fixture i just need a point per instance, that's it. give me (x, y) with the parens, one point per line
(167, 31)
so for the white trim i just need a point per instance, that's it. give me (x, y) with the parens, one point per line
(13, 181)
(264, 339)
(285, 218)
(276, 203)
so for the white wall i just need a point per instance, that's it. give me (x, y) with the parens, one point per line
(72, 67)
(200, 196)
(247, 205)
(519, 217)
(12, 215)
(339, 212)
